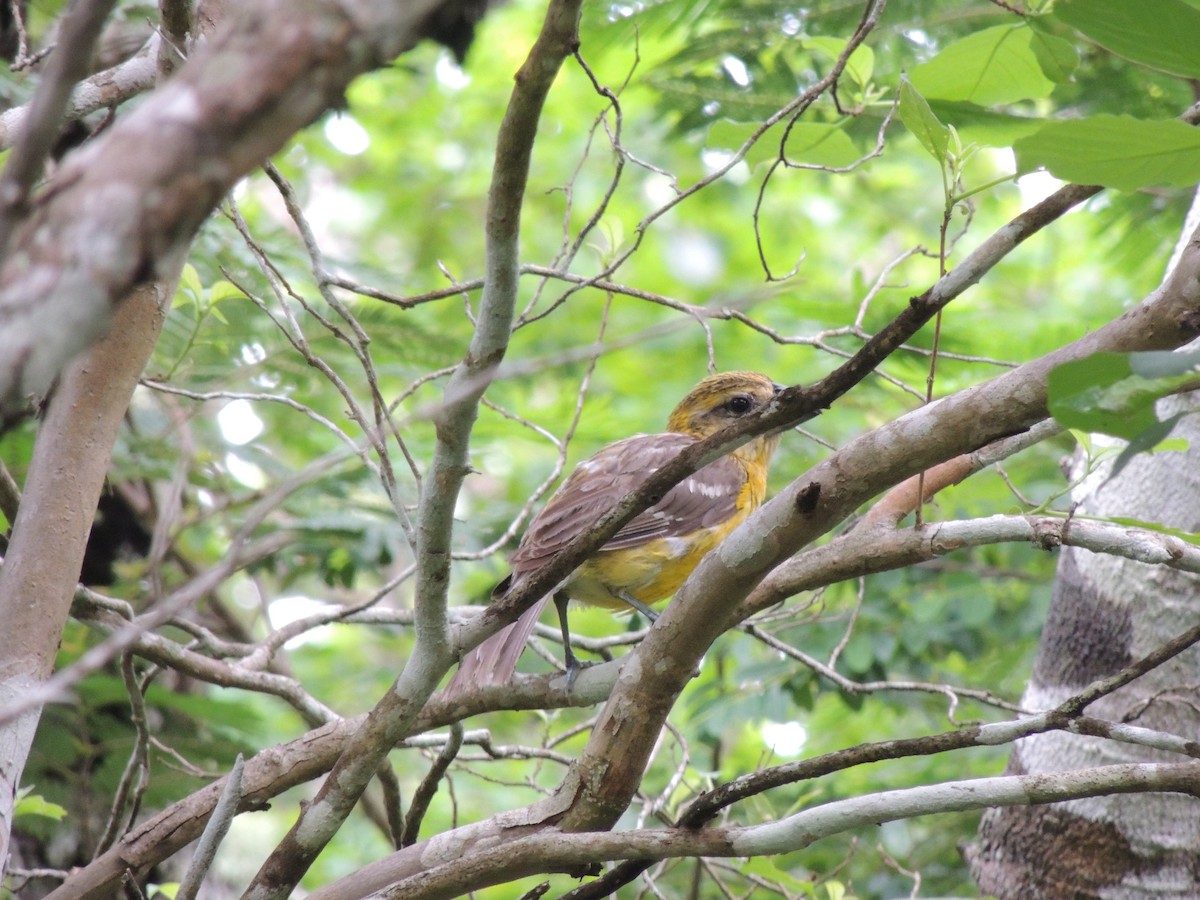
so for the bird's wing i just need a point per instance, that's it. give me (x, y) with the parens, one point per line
(700, 501)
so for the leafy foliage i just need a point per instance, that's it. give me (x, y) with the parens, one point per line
(292, 397)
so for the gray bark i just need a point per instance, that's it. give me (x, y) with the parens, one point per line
(1106, 612)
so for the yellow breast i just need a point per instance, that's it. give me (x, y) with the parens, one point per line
(655, 570)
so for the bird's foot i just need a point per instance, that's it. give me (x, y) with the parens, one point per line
(572, 667)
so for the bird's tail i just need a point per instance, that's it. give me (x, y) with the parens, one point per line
(495, 660)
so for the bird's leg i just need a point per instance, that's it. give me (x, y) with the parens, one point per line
(561, 601)
(651, 615)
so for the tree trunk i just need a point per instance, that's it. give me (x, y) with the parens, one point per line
(41, 569)
(1105, 613)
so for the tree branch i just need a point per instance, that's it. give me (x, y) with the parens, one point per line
(124, 206)
(557, 851)
(68, 64)
(824, 496)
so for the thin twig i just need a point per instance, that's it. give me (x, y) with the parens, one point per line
(214, 833)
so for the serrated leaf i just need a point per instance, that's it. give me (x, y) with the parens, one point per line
(1115, 151)
(920, 119)
(1164, 39)
(995, 65)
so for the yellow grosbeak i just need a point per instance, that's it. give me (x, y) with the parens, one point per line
(653, 554)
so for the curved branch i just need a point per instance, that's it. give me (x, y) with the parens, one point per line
(124, 206)
(868, 551)
(111, 87)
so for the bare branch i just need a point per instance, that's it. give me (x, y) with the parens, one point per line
(104, 89)
(562, 851)
(67, 65)
(214, 832)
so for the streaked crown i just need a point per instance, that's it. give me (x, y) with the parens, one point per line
(719, 400)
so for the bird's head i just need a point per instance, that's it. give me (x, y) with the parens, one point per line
(720, 400)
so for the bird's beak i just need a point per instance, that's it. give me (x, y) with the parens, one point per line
(779, 388)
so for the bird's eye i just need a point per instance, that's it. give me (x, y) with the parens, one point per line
(739, 405)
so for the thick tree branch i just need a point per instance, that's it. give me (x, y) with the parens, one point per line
(104, 89)
(123, 208)
(868, 551)
(176, 18)
(62, 488)
(557, 851)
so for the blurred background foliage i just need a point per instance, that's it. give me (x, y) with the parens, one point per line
(394, 189)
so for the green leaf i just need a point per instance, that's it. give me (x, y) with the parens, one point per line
(1190, 536)
(984, 127)
(1103, 393)
(1148, 441)
(859, 655)
(821, 145)
(1163, 35)
(189, 280)
(921, 120)
(223, 290)
(1002, 64)
(1057, 57)
(1116, 151)
(729, 135)
(1079, 396)
(859, 67)
(1163, 363)
(36, 805)
(190, 289)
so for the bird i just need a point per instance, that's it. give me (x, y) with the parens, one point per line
(652, 555)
